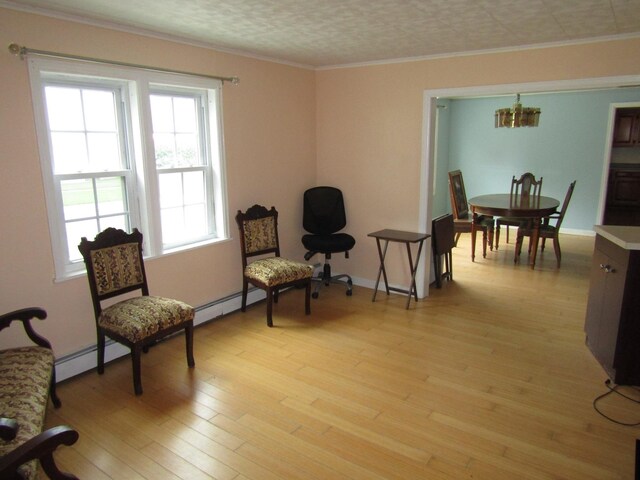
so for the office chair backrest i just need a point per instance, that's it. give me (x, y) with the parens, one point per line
(323, 211)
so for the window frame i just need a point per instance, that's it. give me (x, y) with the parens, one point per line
(135, 85)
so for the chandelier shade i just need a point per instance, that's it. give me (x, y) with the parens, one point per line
(517, 116)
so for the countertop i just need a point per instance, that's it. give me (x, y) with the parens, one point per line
(624, 236)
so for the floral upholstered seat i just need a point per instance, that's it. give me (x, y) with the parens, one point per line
(140, 317)
(277, 271)
(25, 375)
(259, 237)
(27, 380)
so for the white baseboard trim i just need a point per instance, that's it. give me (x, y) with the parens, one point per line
(86, 359)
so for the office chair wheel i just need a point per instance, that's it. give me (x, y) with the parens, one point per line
(314, 295)
(349, 292)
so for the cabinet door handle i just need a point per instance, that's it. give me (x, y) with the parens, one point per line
(607, 268)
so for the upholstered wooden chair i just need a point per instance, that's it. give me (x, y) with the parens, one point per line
(546, 230)
(115, 267)
(525, 186)
(462, 218)
(272, 273)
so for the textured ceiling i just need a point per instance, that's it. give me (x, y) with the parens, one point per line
(338, 32)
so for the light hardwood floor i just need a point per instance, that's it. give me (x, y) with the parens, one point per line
(488, 378)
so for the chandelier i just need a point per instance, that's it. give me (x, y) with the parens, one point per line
(517, 116)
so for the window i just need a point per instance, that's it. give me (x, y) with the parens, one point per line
(124, 148)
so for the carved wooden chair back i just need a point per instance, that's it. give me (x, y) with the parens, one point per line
(526, 185)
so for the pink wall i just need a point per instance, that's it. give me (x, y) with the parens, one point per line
(269, 126)
(285, 128)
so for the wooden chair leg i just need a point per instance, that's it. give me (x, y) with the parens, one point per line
(455, 241)
(307, 298)
(136, 352)
(245, 290)
(101, 342)
(269, 307)
(437, 262)
(518, 249)
(556, 248)
(52, 390)
(484, 243)
(188, 333)
(498, 235)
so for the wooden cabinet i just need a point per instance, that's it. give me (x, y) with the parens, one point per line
(623, 197)
(623, 188)
(626, 132)
(612, 323)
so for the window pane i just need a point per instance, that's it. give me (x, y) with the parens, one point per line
(194, 188)
(164, 144)
(161, 113)
(69, 152)
(64, 108)
(75, 232)
(78, 199)
(170, 190)
(118, 221)
(185, 114)
(175, 131)
(99, 110)
(172, 225)
(187, 149)
(104, 153)
(111, 195)
(195, 221)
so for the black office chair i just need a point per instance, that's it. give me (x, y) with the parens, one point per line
(323, 218)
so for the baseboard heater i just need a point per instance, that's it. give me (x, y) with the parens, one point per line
(84, 360)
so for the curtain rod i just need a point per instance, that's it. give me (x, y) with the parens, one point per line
(16, 49)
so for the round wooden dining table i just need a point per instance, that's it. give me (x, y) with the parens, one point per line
(508, 205)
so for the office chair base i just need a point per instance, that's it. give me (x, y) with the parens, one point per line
(326, 279)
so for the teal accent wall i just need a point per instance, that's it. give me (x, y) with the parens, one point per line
(569, 144)
(441, 203)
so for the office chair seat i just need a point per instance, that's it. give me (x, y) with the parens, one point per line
(335, 243)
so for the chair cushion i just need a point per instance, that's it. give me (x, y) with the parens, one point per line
(275, 271)
(337, 242)
(140, 317)
(260, 234)
(116, 267)
(25, 375)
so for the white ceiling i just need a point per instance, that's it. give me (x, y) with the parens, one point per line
(321, 33)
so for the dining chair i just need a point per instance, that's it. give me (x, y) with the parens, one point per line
(525, 186)
(462, 218)
(271, 272)
(115, 269)
(546, 230)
